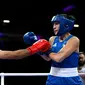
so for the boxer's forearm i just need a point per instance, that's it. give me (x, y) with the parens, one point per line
(18, 54)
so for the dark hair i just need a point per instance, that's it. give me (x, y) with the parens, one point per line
(71, 17)
(81, 53)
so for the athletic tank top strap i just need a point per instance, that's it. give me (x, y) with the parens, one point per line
(70, 36)
(57, 38)
(65, 41)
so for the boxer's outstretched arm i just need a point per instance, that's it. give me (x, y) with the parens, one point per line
(18, 54)
(41, 45)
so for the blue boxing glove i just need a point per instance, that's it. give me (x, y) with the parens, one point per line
(30, 38)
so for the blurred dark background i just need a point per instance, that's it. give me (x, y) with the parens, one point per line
(33, 16)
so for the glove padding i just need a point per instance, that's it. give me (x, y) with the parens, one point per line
(30, 38)
(41, 45)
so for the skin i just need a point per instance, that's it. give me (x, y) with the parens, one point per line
(18, 54)
(81, 61)
(81, 65)
(82, 58)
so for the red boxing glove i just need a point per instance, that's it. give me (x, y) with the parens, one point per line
(41, 45)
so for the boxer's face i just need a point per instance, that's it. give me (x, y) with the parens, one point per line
(56, 26)
(82, 59)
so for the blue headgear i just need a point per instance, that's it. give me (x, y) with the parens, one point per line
(65, 24)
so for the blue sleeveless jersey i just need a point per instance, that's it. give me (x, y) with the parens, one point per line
(71, 62)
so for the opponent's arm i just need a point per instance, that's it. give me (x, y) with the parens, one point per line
(18, 54)
(41, 45)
